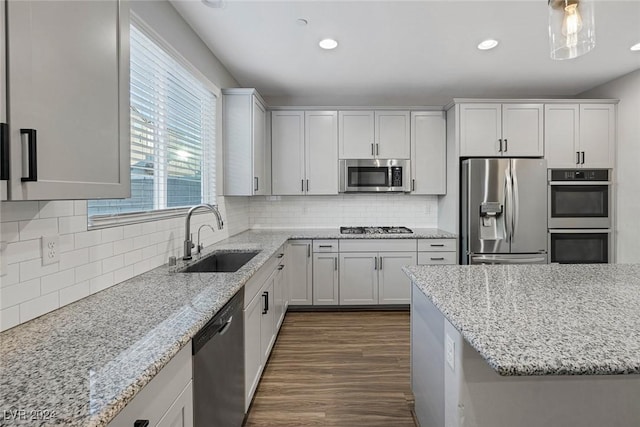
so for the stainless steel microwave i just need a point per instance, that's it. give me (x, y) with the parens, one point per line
(374, 175)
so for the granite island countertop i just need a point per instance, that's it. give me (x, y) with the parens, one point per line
(542, 319)
(88, 360)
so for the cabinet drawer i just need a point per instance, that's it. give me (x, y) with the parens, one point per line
(378, 245)
(325, 246)
(153, 401)
(436, 245)
(429, 258)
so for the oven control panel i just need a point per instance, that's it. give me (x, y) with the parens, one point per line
(579, 174)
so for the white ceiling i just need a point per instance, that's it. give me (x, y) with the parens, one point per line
(407, 52)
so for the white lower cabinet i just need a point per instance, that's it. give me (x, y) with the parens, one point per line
(325, 279)
(266, 300)
(394, 286)
(168, 398)
(358, 278)
(299, 268)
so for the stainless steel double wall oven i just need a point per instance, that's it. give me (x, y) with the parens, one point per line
(580, 216)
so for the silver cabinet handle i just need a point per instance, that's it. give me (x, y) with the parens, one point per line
(255, 183)
(325, 246)
(372, 152)
(302, 185)
(437, 259)
(380, 268)
(377, 149)
(413, 185)
(577, 157)
(375, 262)
(307, 185)
(29, 154)
(281, 267)
(582, 158)
(308, 251)
(437, 245)
(335, 264)
(506, 145)
(280, 255)
(500, 145)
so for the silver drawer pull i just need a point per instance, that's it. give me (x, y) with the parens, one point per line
(437, 259)
(325, 246)
(439, 245)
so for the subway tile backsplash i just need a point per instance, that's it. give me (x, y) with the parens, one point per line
(90, 260)
(93, 260)
(347, 210)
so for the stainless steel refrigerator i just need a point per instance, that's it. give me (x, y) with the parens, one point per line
(504, 211)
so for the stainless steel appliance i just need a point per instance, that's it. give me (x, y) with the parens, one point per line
(580, 246)
(579, 198)
(218, 368)
(375, 230)
(371, 175)
(504, 211)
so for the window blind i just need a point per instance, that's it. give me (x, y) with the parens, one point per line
(173, 128)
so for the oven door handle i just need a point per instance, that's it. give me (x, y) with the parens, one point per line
(579, 230)
(583, 183)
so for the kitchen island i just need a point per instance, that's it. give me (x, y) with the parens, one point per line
(520, 346)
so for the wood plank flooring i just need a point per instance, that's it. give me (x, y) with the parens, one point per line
(337, 369)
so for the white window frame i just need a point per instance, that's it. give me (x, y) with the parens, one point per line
(105, 221)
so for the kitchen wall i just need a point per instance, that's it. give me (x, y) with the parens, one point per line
(627, 90)
(344, 209)
(91, 261)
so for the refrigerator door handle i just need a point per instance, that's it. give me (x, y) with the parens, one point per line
(515, 206)
(508, 208)
(481, 259)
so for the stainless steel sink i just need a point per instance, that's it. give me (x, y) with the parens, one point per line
(221, 262)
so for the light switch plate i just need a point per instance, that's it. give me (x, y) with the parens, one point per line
(50, 249)
(450, 352)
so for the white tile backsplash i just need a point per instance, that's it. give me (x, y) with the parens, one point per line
(90, 261)
(347, 210)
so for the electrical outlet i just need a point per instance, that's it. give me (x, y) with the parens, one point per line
(50, 249)
(450, 352)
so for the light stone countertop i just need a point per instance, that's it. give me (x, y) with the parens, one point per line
(542, 319)
(87, 360)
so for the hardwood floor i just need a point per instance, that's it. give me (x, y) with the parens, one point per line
(337, 369)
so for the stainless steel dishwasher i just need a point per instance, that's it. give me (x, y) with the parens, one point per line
(218, 368)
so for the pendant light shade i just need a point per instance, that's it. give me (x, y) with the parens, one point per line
(571, 28)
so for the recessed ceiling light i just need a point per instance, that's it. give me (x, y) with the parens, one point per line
(488, 44)
(635, 47)
(328, 44)
(302, 22)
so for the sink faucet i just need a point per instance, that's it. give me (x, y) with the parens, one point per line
(188, 240)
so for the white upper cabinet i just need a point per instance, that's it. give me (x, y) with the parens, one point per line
(580, 135)
(247, 165)
(374, 134)
(493, 129)
(305, 152)
(428, 152)
(287, 150)
(68, 99)
(392, 135)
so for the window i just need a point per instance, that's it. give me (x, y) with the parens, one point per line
(173, 129)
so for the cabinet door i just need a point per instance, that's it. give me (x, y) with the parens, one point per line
(428, 152)
(267, 321)
(325, 279)
(597, 135)
(299, 272)
(561, 131)
(321, 147)
(68, 79)
(523, 130)
(358, 278)
(278, 297)
(3, 99)
(287, 150)
(480, 130)
(180, 414)
(356, 138)
(392, 133)
(252, 348)
(259, 149)
(395, 286)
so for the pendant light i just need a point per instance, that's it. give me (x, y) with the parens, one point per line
(571, 28)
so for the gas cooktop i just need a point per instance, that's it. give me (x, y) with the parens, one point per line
(375, 230)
